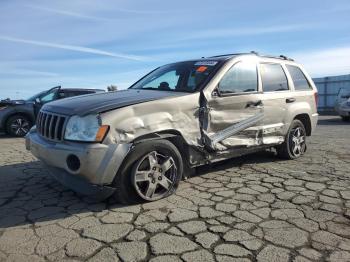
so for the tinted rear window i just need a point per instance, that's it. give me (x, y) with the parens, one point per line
(298, 77)
(273, 77)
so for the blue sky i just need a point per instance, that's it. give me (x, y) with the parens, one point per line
(92, 44)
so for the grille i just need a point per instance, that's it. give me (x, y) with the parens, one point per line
(50, 125)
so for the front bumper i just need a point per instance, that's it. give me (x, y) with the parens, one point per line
(99, 163)
(344, 111)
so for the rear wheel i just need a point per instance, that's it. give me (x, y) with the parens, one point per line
(294, 145)
(18, 125)
(152, 170)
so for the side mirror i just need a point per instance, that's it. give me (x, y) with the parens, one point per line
(37, 100)
(216, 92)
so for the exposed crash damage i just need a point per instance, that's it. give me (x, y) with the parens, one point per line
(233, 135)
(137, 144)
(157, 117)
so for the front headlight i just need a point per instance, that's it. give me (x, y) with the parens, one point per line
(87, 128)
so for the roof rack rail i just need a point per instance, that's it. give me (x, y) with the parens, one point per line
(278, 57)
(227, 55)
(256, 53)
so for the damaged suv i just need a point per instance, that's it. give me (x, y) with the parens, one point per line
(137, 144)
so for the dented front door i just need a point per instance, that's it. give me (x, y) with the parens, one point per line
(234, 109)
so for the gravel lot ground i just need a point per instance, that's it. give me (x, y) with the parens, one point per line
(255, 208)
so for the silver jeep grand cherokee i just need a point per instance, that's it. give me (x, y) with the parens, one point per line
(137, 144)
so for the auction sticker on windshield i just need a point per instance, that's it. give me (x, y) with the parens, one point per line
(205, 63)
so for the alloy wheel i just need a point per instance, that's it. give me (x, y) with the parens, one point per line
(154, 175)
(20, 126)
(297, 142)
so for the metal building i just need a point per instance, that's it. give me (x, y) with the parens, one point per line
(328, 88)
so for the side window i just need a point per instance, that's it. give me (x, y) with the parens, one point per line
(61, 95)
(299, 79)
(273, 77)
(78, 93)
(242, 77)
(74, 93)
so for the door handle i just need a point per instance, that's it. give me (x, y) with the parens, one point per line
(290, 100)
(254, 103)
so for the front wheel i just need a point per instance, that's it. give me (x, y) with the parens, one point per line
(294, 145)
(152, 170)
(18, 125)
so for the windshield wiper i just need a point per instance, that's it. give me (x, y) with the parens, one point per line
(147, 88)
(160, 89)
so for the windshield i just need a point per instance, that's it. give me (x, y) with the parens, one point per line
(45, 96)
(180, 77)
(32, 98)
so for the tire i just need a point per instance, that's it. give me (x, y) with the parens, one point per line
(345, 118)
(142, 172)
(294, 145)
(18, 125)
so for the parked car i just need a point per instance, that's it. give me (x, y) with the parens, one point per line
(18, 116)
(137, 144)
(342, 104)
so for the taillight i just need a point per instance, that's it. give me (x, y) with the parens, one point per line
(316, 98)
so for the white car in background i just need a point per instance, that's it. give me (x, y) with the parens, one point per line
(342, 104)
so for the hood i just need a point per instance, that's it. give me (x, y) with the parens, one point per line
(9, 102)
(101, 102)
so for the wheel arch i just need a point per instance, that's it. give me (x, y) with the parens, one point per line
(191, 155)
(5, 120)
(306, 120)
(20, 113)
(173, 136)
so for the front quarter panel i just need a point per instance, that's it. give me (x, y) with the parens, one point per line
(178, 114)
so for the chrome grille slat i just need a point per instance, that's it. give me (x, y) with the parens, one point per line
(43, 124)
(51, 125)
(52, 118)
(53, 128)
(56, 128)
(46, 126)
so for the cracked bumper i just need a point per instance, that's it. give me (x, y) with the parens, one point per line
(99, 163)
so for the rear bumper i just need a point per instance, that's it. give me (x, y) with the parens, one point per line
(98, 163)
(314, 120)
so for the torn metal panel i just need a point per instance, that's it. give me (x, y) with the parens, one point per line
(212, 140)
